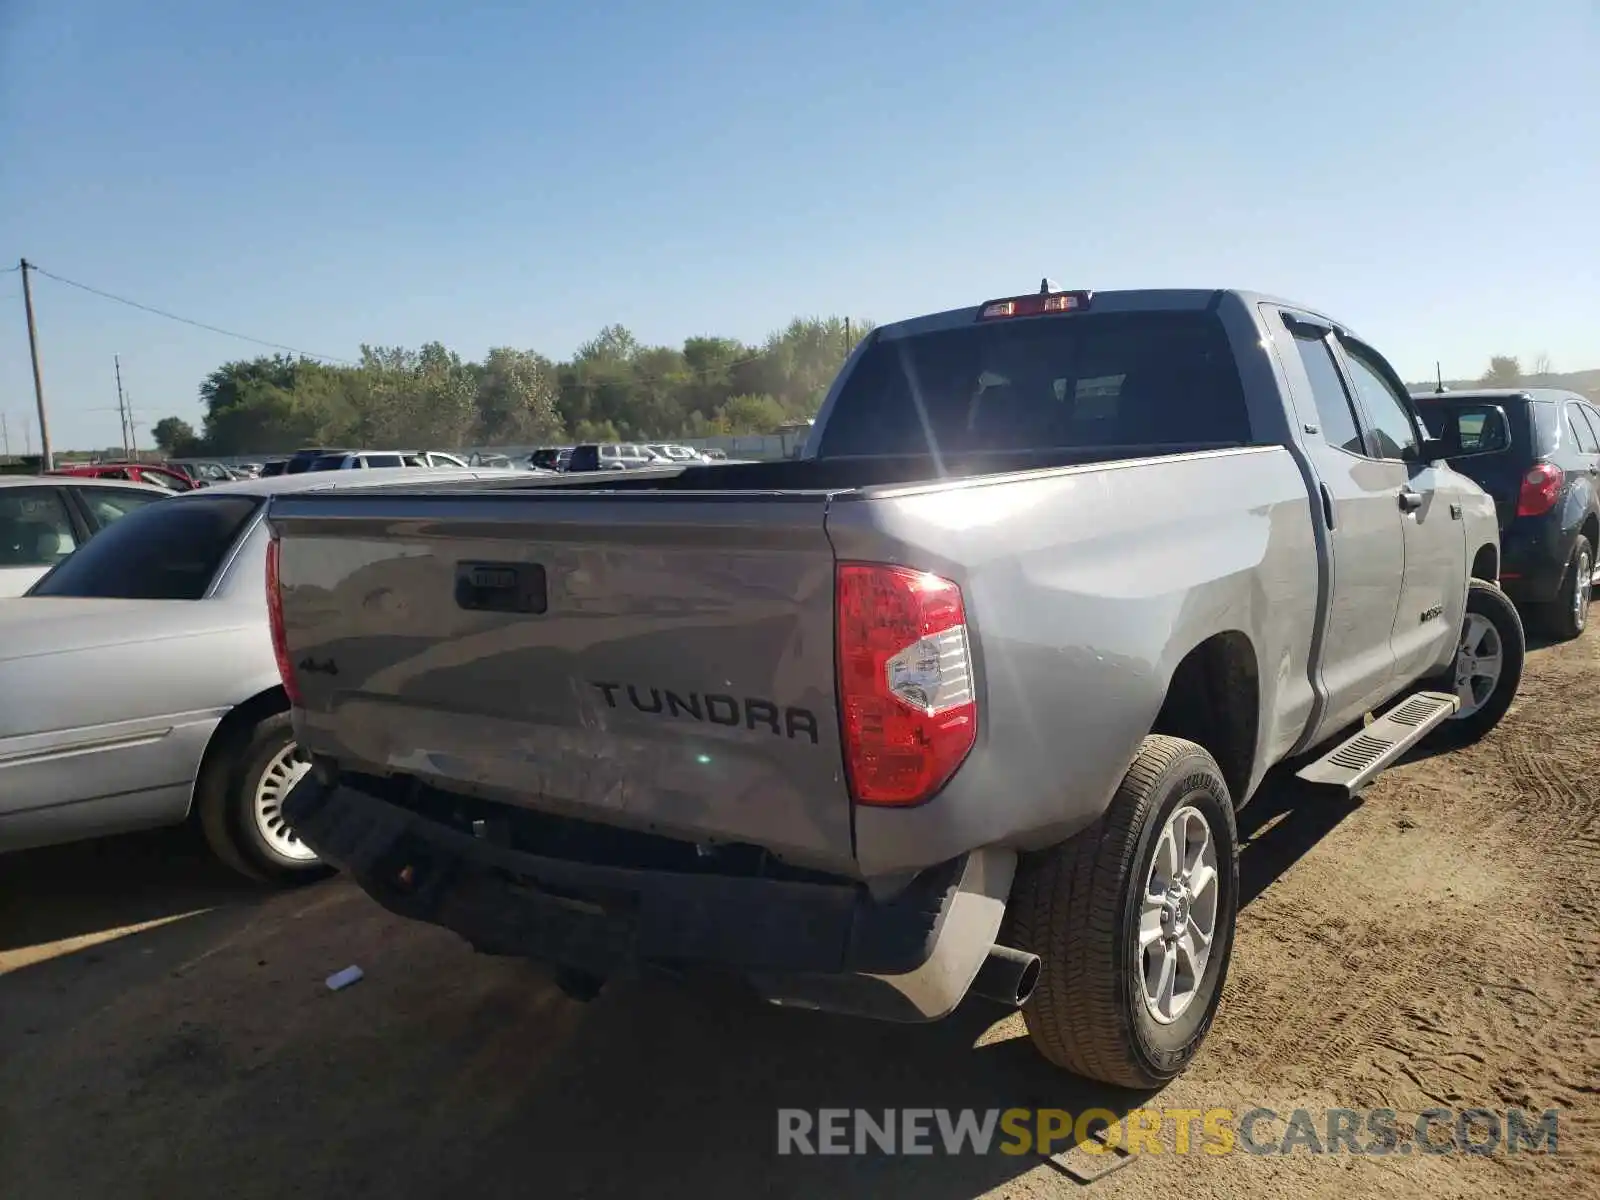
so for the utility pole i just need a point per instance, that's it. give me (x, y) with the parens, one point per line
(133, 433)
(49, 462)
(847, 341)
(122, 408)
(5, 436)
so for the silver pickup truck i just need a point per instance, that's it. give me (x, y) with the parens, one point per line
(963, 700)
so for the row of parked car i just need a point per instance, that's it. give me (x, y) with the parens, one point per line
(621, 456)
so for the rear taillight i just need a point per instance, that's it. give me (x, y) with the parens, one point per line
(1541, 488)
(905, 682)
(280, 644)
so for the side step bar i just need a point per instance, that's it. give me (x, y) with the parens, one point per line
(1356, 761)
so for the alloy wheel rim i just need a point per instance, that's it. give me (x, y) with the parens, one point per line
(1178, 915)
(287, 768)
(1582, 574)
(1480, 658)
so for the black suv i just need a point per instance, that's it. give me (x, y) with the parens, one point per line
(1546, 487)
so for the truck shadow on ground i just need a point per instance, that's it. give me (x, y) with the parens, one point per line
(218, 1056)
(83, 890)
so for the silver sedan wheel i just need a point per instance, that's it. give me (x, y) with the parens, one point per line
(1178, 915)
(1479, 661)
(287, 768)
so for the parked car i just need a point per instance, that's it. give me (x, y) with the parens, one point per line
(204, 472)
(45, 518)
(1546, 488)
(301, 460)
(551, 458)
(609, 456)
(362, 460)
(138, 684)
(146, 473)
(438, 458)
(667, 452)
(964, 701)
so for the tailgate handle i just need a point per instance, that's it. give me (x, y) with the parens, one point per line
(501, 587)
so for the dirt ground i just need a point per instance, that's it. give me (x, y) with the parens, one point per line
(166, 1033)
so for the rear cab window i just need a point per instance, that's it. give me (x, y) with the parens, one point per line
(166, 551)
(1147, 379)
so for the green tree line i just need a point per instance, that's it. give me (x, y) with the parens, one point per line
(613, 388)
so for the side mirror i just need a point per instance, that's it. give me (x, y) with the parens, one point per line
(1469, 433)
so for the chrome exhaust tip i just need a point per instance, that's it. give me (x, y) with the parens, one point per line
(1007, 976)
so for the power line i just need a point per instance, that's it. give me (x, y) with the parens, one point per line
(704, 373)
(243, 337)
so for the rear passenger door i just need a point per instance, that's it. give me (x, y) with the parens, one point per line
(1358, 507)
(1432, 597)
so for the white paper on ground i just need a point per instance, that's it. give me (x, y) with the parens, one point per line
(344, 978)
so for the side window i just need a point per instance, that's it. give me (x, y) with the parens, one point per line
(1394, 433)
(35, 528)
(1327, 390)
(1594, 420)
(108, 504)
(1581, 431)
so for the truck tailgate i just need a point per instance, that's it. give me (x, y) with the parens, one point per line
(659, 663)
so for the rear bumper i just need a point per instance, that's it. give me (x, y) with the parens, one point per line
(826, 945)
(1534, 553)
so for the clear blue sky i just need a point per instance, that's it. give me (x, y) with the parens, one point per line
(511, 174)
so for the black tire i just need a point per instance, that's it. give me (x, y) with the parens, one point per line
(1077, 907)
(1566, 617)
(1489, 602)
(225, 798)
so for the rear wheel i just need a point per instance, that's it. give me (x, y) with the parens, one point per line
(1133, 921)
(241, 803)
(1567, 615)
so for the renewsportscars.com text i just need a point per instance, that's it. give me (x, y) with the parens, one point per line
(1215, 1131)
